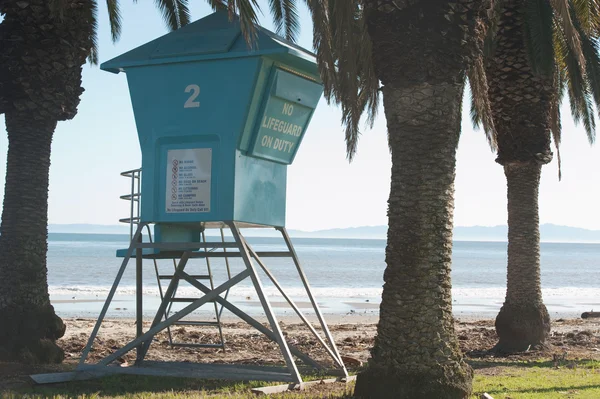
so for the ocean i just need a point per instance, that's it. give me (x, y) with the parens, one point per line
(346, 276)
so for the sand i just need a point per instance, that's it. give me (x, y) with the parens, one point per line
(354, 334)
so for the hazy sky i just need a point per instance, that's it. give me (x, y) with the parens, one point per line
(324, 190)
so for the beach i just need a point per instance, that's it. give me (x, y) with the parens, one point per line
(346, 279)
(570, 341)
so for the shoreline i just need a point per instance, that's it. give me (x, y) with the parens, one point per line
(332, 319)
(123, 307)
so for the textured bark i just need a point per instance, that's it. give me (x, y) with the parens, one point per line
(29, 326)
(41, 57)
(520, 98)
(521, 103)
(523, 320)
(416, 354)
(421, 50)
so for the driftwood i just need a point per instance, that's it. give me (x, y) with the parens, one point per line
(586, 315)
(486, 396)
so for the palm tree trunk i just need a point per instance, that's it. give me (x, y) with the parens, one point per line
(523, 320)
(521, 100)
(416, 353)
(28, 325)
(41, 59)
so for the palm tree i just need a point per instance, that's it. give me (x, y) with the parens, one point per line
(43, 45)
(420, 52)
(539, 50)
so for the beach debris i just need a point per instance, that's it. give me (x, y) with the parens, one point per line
(486, 395)
(587, 315)
(351, 361)
(558, 358)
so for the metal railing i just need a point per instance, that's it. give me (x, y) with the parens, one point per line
(135, 196)
(134, 220)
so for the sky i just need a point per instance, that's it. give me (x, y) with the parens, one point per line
(324, 189)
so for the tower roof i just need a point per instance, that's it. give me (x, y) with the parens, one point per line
(210, 38)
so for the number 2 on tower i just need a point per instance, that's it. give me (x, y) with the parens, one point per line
(190, 103)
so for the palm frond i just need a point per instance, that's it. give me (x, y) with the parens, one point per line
(538, 23)
(322, 43)
(555, 123)
(342, 19)
(581, 81)
(591, 51)
(292, 23)
(577, 89)
(580, 88)
(217, 5)
(562, 14)
(474, 112)
(587, 13)
(246, 10)
(481, 109)
(114, 17)
(93, 58)
(581, 109)
(277, 13)
(344, 52)
(285, 17)
(175, 13)
(369, 81)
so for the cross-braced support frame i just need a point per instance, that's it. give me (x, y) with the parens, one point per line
(163, 319)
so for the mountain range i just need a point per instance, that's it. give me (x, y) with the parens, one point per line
(548, 232)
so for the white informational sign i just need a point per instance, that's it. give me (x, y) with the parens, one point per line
(188, 180)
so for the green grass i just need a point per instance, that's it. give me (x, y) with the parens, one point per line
(144, 387)
(501, 379)
(538, 380)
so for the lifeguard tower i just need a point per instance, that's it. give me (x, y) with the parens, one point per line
(218, 125)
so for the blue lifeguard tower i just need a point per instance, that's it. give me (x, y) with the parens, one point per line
(218, 124)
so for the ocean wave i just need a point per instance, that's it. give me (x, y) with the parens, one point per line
(246, 292)
(238, 291)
